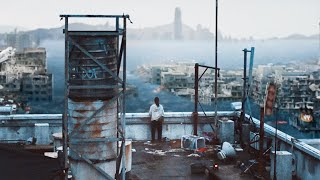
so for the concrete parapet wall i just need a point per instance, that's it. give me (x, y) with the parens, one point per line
(176, 124)
(20, 127)
(306, 159)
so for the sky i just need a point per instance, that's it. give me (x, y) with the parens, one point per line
(237, 18)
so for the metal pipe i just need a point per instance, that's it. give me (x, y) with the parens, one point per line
(207, 66)
(124, 99)
(196, 89)
(202, 74)
(118, 68)
(94, 16)
(261, 140)
(243, 110)
(319, 44)
(216, 70)
(65, 113)
(244, 82)
(275, 153)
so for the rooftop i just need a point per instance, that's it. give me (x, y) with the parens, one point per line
(167, 160)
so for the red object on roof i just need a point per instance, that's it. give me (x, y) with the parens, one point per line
(202, 150)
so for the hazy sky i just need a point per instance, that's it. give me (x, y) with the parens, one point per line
(238, 18)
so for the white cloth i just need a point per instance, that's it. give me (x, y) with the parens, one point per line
(156, 112)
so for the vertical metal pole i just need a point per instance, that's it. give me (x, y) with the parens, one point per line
(216, 70)
(261, 140)
(66, 92)
(118, 59)
(196, 89)
(244, 82)
(243, 112)
(319, 44)
(124, 98)
(275, 154)
(117, 29)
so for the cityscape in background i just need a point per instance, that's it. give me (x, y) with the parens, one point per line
(84, 100)
(30, 79)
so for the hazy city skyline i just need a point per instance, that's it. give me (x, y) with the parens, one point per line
(245, 18)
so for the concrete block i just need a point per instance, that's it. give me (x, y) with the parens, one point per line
(57, 140)
(283, 165)
(42, 133)
(246, 133)
(226, 131)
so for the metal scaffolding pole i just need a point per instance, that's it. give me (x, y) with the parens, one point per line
(65, 113)
(196, 88)
(123, 123)
(216, 71)
(196, 95)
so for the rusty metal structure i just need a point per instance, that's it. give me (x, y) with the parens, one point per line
(94, 99)
(196, 94)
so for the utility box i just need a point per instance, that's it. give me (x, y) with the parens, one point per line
(246, 133)
(41, 132)
(226, 131)
(283, 165)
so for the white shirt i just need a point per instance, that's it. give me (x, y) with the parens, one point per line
(156, 112)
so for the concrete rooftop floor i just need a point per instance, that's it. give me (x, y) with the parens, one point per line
(166, 160)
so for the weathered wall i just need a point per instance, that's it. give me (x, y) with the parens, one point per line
(21, 127)
(175, 124)
(306, 158)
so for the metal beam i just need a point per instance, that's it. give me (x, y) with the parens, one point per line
(95, 87)
(196, 89)
(120, 54)
(94, 33)
(94, 16)
(82, 141)
(123, 123)
(65, 113)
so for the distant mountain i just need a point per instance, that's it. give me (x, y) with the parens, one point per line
(162, 32)
(8, 29)
(166, 32)
(300, 37)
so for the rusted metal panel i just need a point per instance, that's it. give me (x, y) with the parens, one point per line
(103, 125)
(93, 62)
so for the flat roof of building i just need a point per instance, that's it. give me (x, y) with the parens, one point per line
(167, 160)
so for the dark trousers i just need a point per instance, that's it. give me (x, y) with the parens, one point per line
(156, 125)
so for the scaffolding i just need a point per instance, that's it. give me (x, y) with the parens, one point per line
(196, 95)
(114, 92)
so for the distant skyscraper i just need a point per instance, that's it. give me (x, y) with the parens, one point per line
(177, 24)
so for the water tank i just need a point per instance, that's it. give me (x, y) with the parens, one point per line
(83, 71)
(103, 125)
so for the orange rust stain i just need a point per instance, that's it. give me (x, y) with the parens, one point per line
(87, 103)
(96, 132)
(76, 126)
(127, 152)
(81, 111)
(78, 118)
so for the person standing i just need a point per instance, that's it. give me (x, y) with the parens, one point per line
(156, 113)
